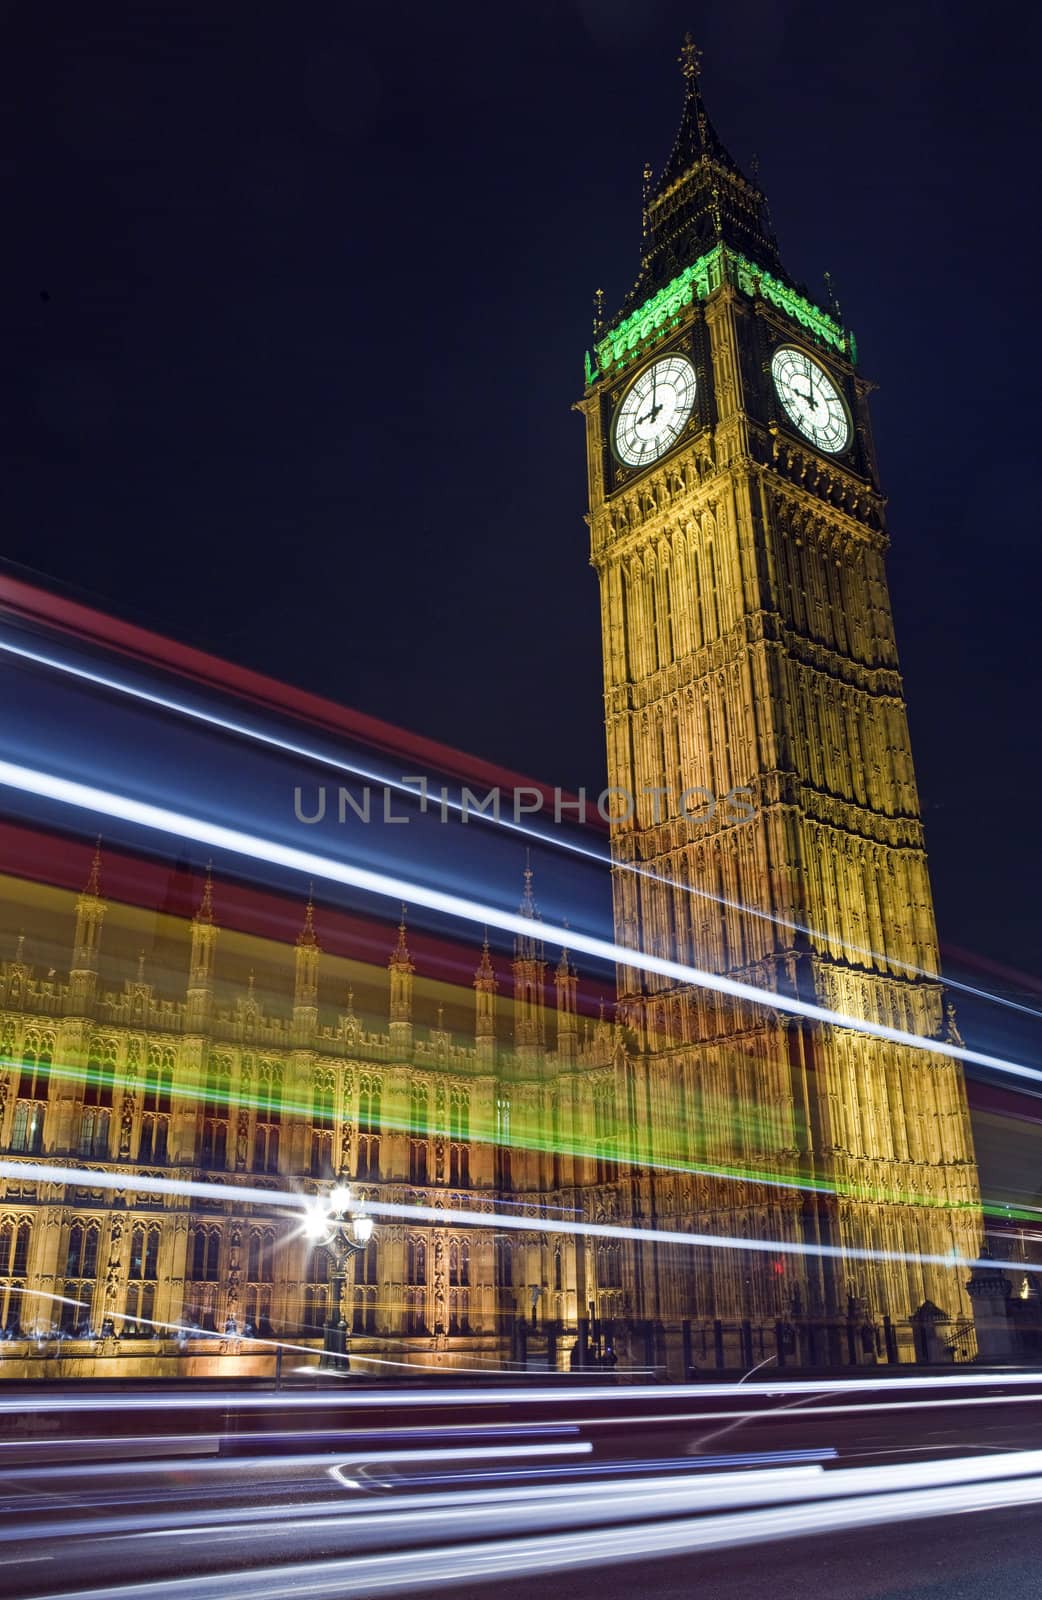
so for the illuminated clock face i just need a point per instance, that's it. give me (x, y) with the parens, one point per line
(654, 411)
(811, 399)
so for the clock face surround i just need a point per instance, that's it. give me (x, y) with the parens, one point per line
(654, 411)
(811, 399)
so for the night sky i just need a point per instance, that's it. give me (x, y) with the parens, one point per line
(295, 305)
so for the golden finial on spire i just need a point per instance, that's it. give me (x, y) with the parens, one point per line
(690, 58)
(141, 966)
(598, 311)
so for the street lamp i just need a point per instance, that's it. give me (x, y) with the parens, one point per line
(341, 1226)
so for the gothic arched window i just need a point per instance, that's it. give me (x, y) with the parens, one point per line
(418, 1128)
(14, 1264)
(81, 1271)
(322, 1126)
(269, 1116)
(369, 1128)
(34, 1087)
(459, 1133)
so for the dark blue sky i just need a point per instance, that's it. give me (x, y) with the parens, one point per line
(295, 304)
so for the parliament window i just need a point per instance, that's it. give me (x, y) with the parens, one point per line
(216, 1112)
(368, 1129)
(81, 1270)
(269, 1117)
(155, 1107)
(259, 1259)
(419, 1129)
(609, 1266)
(416, 1261)
(34, 1087)
(206, 1254)
(364, 1319)
(416, 1311)
(459, 1262)
(257, 1313)
(314, 1308)
(366, 1264)
(459, 1311)
(141, 1281)
(97, 1101)
(322, 1126)
(14, 1264)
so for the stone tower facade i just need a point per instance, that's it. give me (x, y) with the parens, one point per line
(754, 711)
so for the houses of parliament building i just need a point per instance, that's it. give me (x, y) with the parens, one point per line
(738, 535)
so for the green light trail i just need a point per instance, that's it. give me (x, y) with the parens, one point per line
(527, 1139)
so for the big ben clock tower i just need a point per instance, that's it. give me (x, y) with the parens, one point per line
(737, 529)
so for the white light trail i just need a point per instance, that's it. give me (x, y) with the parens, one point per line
(329, 1460)
(159, 819)
(737, 1510)
(288, 1199)
(548, 1394)
(556, 842)
(511, 1452)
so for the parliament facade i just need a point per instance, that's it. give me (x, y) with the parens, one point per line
(738, 535)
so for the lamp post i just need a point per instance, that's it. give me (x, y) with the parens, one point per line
(340, 1225)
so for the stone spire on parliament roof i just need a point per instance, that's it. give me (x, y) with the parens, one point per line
(528, 947)
(485, 975)
(205, 911)
(306, 938)
(701, 198)
(400, 959)
(92, 887)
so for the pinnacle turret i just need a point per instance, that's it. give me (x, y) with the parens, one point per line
(92, 886)
(529, 970)
(90, 914)
(306, 938)
(202, 961)
(401, 969)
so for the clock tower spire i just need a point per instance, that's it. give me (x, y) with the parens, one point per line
(755, 712)
(701, 198)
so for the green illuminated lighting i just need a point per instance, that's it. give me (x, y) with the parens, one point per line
(621, 1148)
(662, 312)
